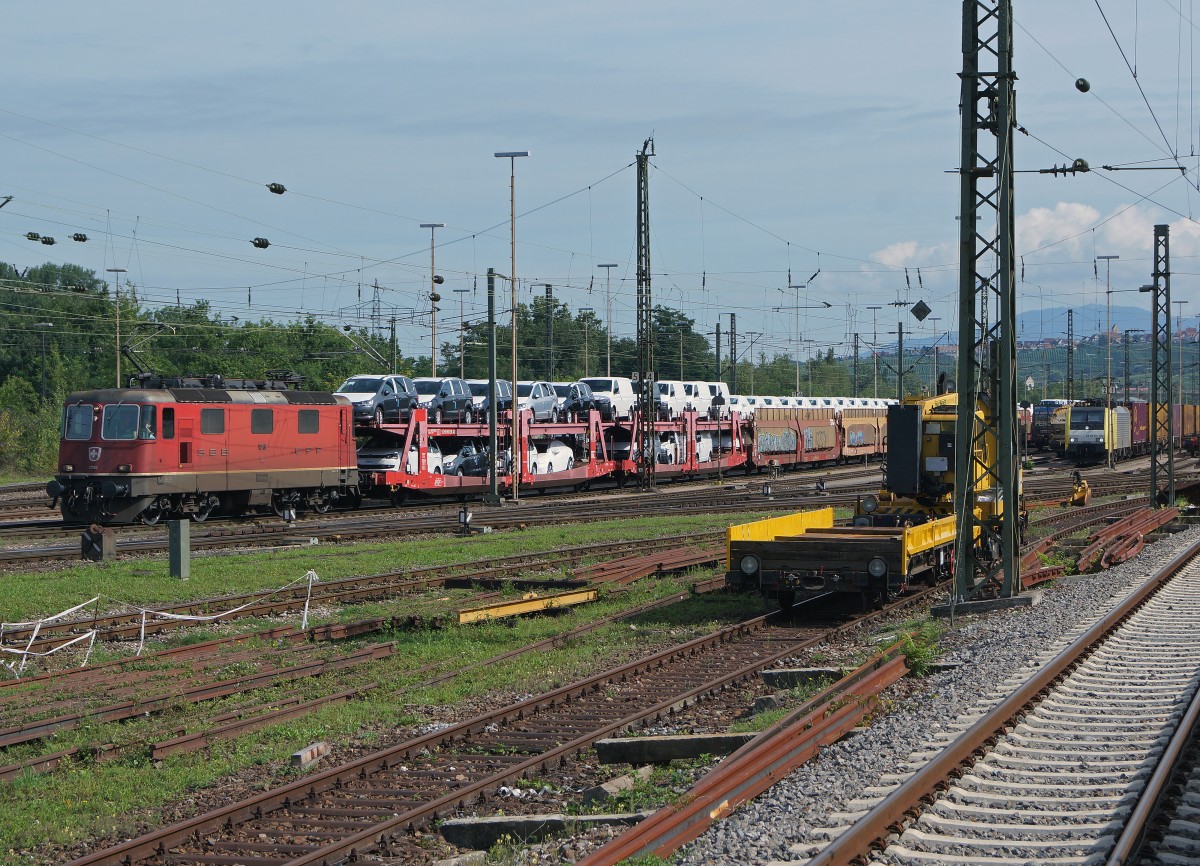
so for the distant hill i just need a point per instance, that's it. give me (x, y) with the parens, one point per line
(1089, 319)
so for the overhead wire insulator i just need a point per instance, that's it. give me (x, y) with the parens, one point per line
(261, 243)
(33, 236)
(48, 241)
(277, 188)
(79, 237)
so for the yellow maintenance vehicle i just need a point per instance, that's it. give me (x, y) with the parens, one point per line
(901, 536)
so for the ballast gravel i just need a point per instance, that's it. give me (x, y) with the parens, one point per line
(788, 823)
(785, 823)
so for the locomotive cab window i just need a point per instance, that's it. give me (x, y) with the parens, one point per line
(77, 422)
(120, 422)
(262, 421)
(309, 421)
(168, 422)
(148, 428)
(212, 421)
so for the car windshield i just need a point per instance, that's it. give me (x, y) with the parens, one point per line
(599, 384)
(524, 390)
(480, 389)
(562, 390)
(663, 388)
(360, 385)
(428, 386)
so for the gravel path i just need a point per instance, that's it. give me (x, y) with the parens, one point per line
(786, 823)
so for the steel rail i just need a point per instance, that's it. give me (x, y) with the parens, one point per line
(868, 832)
(1129, 843)
(821, 720)
(157, 842)
(128, 625)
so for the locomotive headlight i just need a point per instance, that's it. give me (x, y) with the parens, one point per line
(870, 503)
(125, 467)
(68, 467)
(877, 567)
(749, 565)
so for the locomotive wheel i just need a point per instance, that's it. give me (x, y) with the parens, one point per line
(152, 514)
(323, 505)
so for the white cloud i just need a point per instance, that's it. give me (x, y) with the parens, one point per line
(897, 255)
(1068, 225)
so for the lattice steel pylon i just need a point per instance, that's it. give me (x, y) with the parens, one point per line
(1162, 452)
(1070, 354)
(647, 396)
(986, 485)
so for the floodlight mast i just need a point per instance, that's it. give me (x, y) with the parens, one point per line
(512, 156)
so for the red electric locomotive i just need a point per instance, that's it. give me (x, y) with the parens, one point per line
(197, 447)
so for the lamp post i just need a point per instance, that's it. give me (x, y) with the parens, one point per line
(1108, 260)
(434, 297)
(682, 331)
(874, 350)
(549, 330)
(462, 335)
(1179, 328)
(586, 323)
(117, 302)
(43, 326)
(1126, 334)
(512, 156)
(936, 339)
(753, 335)
(796, 309)
(608, 315)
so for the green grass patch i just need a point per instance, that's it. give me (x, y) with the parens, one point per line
(91, 800)
(147, 581)
(793, 698)
(921, 645)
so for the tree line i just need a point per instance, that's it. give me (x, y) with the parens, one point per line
(58, 335)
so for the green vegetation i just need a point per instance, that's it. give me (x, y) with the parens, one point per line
(663, 786)
(921, 645)
(1058, 559)
(145, 582)
(92, 799)
(793, 697)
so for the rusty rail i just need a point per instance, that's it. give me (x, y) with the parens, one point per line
(790, 742)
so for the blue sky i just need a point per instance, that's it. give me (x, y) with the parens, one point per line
(789, 135)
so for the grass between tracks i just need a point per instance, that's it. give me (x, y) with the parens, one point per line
(86, 800)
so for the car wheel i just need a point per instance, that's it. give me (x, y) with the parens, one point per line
(378, 416)
(437, 415)
(570, 463)
(459, 472)
(468, 416)
(554, 415)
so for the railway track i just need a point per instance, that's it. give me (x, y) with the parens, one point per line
(1063, 769)
(367, 808)
(496, 572)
